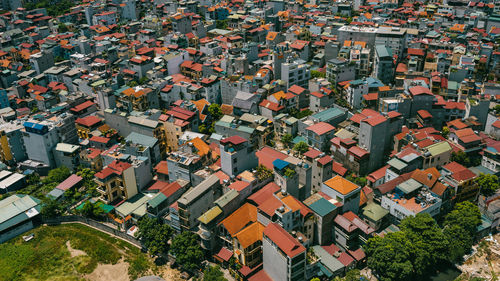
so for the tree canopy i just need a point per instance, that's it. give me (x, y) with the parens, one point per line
(187, 250)
(213, 273)
(263, 172)
(301, 147)
(57, 175)
(422, 245)
(488, 184)
(286, 139)
(154, 235)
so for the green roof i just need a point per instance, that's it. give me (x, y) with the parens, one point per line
(374, 212)
(327, 260)
(322, 207)
(246, 129)
(16, 209)
(157, 200)
(226, 198)
(328, 114)
(222, 124)
(396, 163)
(209, 215)
(98, 83)
(438, 148)
(383, 51)
(136, 205)
(409, 186)
(298, 139)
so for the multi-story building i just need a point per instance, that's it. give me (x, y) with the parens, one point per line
(12, 148)
(182, 165)
(462, 180)
(236, 155)
(284, 257)
(319, 135)
(393, 38)
(197, 201)
(383, 66)
(343, 191)
(116, 182)
(138, 99)
(322, 169)
(295, 73)
(339, 70)
(41, 137)
(86, 125)
(67, 155)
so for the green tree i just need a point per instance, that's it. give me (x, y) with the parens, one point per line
(287, 139)
(317, 74)
(62, 28)
(91, 210)
(57, 175)
(221, 24)
(488, 184)
(50, 208)
(445, 132)
(213, 273)
(461, 158)
(263, 172)
(460, 242)
(143, 80)
(497, 108)
(390, 257)
(289, 172)
(459, 228)
(154, 235)
(465, 215)
(301, 147)
(215, 111)
(187, 251)
(429, 246)
(361, 181)
(132, 84)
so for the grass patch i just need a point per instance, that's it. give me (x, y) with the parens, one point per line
(46, 257)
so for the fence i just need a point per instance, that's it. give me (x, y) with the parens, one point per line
(95, 224)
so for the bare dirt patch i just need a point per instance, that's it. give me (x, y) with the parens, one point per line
(74, 252)
(110, 272)
(170, 274)
(485, 263)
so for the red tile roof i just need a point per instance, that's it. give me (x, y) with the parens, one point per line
(375, 120)
(267, 155)
(238, 185)
(321, 128)
(82, 106)
(234, 140)
(312, 153)
(264, 193)
(424, 114)
(69, 182)
(289, 245)
(345, 259)
(162, 168)
(420, 90)
(88, 121)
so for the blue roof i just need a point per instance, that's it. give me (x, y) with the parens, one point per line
(35, 126)
(322, 207)
(280, 164)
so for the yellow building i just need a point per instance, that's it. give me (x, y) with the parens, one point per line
(86, 125)
(116, 182)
